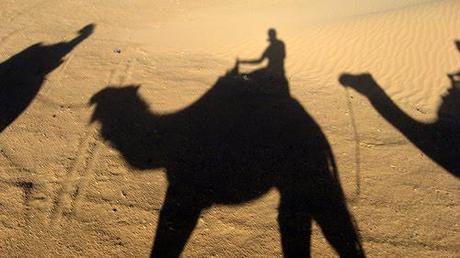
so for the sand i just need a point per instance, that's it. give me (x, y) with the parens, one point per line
(66, 192)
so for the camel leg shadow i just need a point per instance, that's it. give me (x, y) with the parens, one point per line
(299, 207)
(300, 204)
(178, 218)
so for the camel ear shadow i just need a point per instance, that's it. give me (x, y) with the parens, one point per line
(91, 102)
(457, 43)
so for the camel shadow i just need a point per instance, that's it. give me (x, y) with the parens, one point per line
(22, 75)
(438, 140)
(230, 147)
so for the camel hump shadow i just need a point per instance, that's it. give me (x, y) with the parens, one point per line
(231, 146)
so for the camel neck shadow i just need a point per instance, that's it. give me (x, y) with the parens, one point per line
(438, 140)
(22, 75)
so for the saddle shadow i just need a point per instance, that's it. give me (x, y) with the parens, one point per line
(22, 75)
(231, 146)
(438, 140)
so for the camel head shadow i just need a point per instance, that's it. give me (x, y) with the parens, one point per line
(133, 115)
(359, 82)
(232, 145)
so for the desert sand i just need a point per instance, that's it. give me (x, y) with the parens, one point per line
(66, 191)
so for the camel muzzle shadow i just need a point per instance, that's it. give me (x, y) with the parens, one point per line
(230, 147)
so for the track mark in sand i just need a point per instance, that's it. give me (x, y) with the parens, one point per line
(73, 185)
(35, 186)
(62, 69)
(34, 198)
(57, 82)
(84, 176)
(407, 243)
(78, 173)
(14, 164)
(118, 77)
(27, 188)
(48, 102)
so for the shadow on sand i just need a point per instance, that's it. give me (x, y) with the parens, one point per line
(243, 137)
(438, 140)
(22, 75)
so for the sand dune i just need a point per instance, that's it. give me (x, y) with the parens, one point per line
(64, 191)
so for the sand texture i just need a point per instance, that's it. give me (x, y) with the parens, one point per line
(84, 169)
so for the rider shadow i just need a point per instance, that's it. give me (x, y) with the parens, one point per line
(235, 143)
(22, 75)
